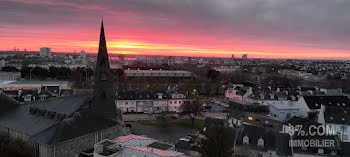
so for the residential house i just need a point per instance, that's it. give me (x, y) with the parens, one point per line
(282, 110)
(313, 103)
(238, 92)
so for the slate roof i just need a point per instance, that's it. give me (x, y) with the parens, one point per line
(21, 120)
(308, 89)
(32, 92)
(139, 95)
(54, 120)
(11, 93)
(65, 92)
(241, 92)
(337, 115)
(81, 124)
(315, 102)
(44, 92)
(7, 103)
(273, 140)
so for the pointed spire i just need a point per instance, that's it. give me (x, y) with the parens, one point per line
(102, 38)
(103, 101)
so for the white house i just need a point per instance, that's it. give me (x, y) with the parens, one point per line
(126, 105)
(160, 103)
(149, 102)
(283, 110)
(238, 92)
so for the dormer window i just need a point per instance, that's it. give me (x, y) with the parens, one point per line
(338, 104)
(345, 111)
(331, 118)
(343, 104)
(245, 140)
(316, 105)
(260, 142)
(343, 119)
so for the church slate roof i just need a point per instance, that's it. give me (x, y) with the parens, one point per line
(7, 103)
(22, 120)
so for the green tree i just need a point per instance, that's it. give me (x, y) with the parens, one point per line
(213, 74)
(218, 142)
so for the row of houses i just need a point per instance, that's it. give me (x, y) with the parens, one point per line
(333, 111)
(148, 102)
(27, 91)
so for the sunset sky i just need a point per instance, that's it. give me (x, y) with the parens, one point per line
(311, 29)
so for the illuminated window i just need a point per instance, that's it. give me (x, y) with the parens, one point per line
(267, 122)
(250, 118)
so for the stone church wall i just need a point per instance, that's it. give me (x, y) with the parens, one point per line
(76, 145)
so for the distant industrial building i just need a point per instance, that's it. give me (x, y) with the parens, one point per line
(9, 76)
(83, 56)
(45, 52)
(158, 73)
(245, 56)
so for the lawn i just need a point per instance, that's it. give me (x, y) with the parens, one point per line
(198, 124)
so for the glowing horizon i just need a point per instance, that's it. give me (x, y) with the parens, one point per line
(203, 29)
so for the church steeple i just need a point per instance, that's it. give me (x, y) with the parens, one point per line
(103, 95)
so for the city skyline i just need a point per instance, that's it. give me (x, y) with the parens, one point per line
(261, 29)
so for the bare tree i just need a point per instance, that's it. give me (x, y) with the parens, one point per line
(192, 109)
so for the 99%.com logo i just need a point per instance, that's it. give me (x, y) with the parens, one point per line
(312, 130)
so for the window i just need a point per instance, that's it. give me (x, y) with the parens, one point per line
(331, 118)
(260, 142)
(320, 151)
(245, 140)
(345, 137)
(175, 102)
